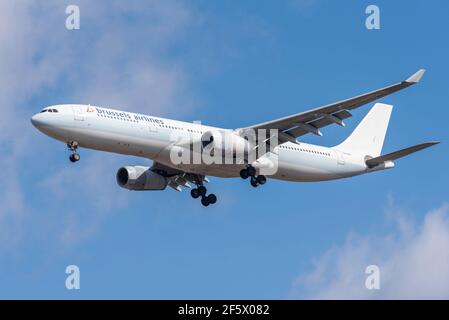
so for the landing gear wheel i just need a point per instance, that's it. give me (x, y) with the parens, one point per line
(195, 193)
(244, 174)
(261, 179)
(202, 191)
(254, 182)
(74, 157)
(73, 146)
(205, 201)
(251, 171)
(212, 198)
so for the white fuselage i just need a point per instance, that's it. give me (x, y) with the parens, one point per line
(152, 137)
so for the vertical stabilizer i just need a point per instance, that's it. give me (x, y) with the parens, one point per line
(368, 137)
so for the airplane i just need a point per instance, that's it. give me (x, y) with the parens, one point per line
(151, 137)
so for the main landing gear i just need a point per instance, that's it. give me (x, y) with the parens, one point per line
(201, 191)
(73, 146)
(255, 181)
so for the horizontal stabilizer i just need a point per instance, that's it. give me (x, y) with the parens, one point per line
(398, 154)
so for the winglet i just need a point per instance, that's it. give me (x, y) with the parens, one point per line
(416, 77)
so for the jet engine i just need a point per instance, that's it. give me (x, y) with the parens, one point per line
(140, 178)
(224, 142)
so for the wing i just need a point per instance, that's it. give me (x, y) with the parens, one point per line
(178, 178)
(294, 126)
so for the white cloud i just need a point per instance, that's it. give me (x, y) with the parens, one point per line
(93, 194)
(110, 60)
(126, 64)
(11, 205)
(129, 54)
(118, 58)
(413, 262)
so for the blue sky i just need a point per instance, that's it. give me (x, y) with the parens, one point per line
(228, 64)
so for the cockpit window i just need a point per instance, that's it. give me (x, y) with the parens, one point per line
(49, 110)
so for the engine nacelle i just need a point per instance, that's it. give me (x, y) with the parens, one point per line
(224, 142)
(140, 178)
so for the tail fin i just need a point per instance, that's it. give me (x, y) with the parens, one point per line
(368, 137)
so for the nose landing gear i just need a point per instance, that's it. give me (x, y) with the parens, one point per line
(255, 180)
(201, 191)
(74, 157)
(73, 146)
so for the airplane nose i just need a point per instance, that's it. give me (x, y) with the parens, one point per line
(36, 120)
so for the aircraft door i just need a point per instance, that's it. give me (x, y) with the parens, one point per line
(78, 113)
